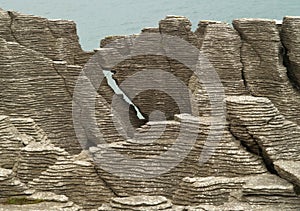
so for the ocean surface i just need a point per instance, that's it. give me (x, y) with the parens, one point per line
(99, 18)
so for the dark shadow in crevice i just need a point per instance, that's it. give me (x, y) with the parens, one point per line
(257, 150)
(289, 65)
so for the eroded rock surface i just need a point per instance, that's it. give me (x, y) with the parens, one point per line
(253, 157)
(291, 41)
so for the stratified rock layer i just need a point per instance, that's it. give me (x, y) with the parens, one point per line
(33, 84)
(138, 203)
(290, 36)
(11, 143)
(10, 185)
(173, 161)
(264, 190)
(263, 71)
(76, 178)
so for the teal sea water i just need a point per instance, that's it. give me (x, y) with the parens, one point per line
(99, 18)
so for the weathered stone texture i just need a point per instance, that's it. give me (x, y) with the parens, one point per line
(221, 44)
(264, 73)
(33, 88)
(55, 39)
(262, 190)
(75, 177)
(290, 36)
(11, 143)
(10, 185)
(40, 157)
(138, 203)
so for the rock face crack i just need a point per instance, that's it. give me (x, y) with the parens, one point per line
(243, 70)
(259, 147)
(64, 81)
(12, 19)
(106, 183)
(257, 151)
(287, 64)
(260, 128)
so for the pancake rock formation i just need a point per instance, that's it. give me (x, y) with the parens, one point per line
(253, 159)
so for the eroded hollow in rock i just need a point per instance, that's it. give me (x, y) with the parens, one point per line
(167, 96)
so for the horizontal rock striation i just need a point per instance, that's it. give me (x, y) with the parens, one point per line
(33, 85)
(291, 41)
(55, 39)
(228, 158)
(11, 143)
(265, 131)
(206, 190)
(253, 151)
(139, 203)
(264, 73)
(75, 177)
(264, 190)
(10, 185)
(36, 158)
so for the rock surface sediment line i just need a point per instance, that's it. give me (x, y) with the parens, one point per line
(255, 165)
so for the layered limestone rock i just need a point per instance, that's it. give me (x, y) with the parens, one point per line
(139, 203)
(263, 71)
(55, 39)
(43, 201)
(34, 85)
(75, 177)
(10, 185)
(29, 127)
(221, 44)
(158, 138)
(51, 206)
(36, 90)
(265, 126)
(270, 190)
(291, 40)
(36, 158)
(264, 190)
(28, 159)
(206, 190)
(264, 131)
(158, 163)
(11, 143)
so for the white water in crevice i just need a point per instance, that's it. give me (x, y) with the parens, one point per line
(113, 84)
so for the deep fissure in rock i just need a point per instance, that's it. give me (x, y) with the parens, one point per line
(115, 87)
(268, 163)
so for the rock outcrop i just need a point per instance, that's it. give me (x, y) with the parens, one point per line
(291, 41)
(33, 84)
(253, 152)
(264, 73)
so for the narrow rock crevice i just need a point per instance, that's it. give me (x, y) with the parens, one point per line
(243, 73)
(261, 153)
(12, 19)
(200, 33)
(267, 162)
(64, 81)
(106, 183)
(113, 83)
(287, 64)
(243, 70)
